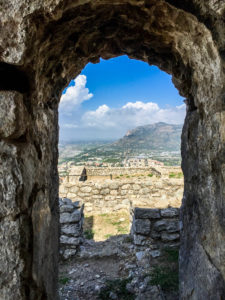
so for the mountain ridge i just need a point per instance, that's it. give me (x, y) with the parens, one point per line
(161, 136)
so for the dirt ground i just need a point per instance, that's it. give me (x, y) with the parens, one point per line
(116, 259)
(101, 227)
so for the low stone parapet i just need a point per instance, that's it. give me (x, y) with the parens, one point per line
(71, 227)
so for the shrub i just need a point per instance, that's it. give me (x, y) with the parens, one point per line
(150, 175)
(89, 234)
(167, 275)
(64, 280)
(117, 286)
(167, 278)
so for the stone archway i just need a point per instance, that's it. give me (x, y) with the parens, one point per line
(43, 45)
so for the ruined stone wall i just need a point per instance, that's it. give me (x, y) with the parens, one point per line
(117, 171)
(155, 228)
(71, 227)
(113, 195)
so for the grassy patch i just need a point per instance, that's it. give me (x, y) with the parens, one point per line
(115, 223)
(150, 175)
(175, 175)
(89, 234)
(172, 255)
(107, 236)
(102, 226)
(167, 275)
(63, 280)
(118, 287)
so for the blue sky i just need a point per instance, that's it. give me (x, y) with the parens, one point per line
(116, 95)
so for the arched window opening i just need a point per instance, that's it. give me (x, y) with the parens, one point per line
(120, 174)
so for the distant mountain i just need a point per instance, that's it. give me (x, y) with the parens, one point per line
(159, 136)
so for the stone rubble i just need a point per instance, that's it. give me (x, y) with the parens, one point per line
(115, 258)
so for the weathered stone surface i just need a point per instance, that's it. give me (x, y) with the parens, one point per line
(169, 237)
(104, 191)
(68, 253)
(13, 114)
(72, 241)
(144, 213)
(73, 229)
(170, 212)
(66, 208)
(142, 226)
(168, 225)
(70, 218)
(139, 240)
(71, 234)
(86, 189)
(49, 42)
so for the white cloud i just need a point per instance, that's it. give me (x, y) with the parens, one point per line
(69, 125)
(131, 115)
(75, 95)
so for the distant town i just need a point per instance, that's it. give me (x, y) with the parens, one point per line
(145, 146)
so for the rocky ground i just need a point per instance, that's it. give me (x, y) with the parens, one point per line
(112, 269)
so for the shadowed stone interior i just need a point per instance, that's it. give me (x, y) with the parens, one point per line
(43, 45)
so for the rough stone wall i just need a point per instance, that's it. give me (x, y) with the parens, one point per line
(71, 227)
(155, 228)
(43, 45)
(113, 195)
(117, 171)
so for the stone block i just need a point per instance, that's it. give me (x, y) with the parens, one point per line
(68, 253)
(136, 187)
(170, 212)
(65, 201)
(72, 241)
(142, 226)
(63, 189)
(155, 235)
(139, 240)
(114, 186)
(66, 208)
(123, 192)
(113, 192)
(70, 217)
(73, 189)
(146, 213)
(144, 191)
(155, 253)
(73, 229)
(71, 195)
(86, 189)
(104, 191)
(168, 237)
(95, 192)
(125, 187)
(168, 225)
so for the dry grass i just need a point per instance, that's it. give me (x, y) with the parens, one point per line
(105, 225)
